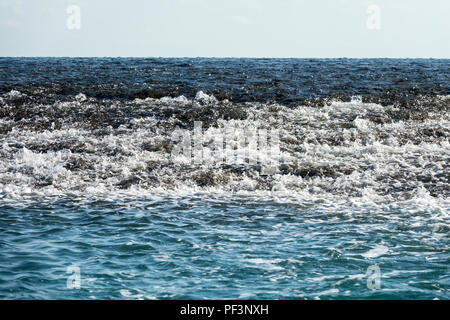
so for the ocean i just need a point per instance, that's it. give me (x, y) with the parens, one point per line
(201, 178)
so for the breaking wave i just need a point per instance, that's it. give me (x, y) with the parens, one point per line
(328, 151)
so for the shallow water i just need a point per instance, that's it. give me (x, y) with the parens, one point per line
(87, 180)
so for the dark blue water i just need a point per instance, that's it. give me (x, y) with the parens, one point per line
(357, 209)
(240, 80)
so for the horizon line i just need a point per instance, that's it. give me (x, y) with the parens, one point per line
(222, 57)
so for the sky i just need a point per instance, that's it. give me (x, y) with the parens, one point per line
(226, 28)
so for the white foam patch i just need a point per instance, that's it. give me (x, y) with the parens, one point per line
(379, 250)
(369, 159)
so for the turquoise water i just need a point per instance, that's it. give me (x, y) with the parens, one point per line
(240, 248)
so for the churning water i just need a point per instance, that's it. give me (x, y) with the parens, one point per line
(89, 194)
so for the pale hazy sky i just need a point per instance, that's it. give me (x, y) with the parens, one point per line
(227, 28)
